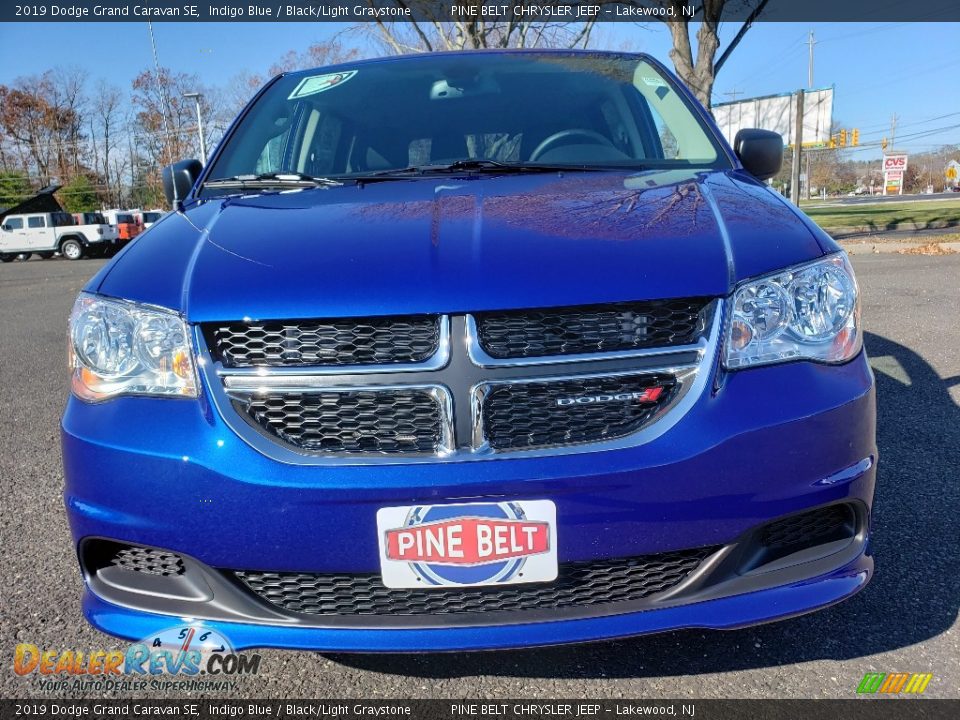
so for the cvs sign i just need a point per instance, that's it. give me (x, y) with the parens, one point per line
(894, 162)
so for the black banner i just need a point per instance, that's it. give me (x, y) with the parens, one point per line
(569, 11)
(579, 709)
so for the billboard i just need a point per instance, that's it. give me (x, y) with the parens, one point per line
(779, 113)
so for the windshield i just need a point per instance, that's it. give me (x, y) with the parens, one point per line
(124, 219)
(587, 110)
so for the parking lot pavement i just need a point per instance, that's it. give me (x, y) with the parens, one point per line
(905, 621)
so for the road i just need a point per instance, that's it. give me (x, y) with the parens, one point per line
(877, 199)
(905, 621)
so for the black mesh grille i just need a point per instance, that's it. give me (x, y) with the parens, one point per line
(591, 329)
(564, 412)
(808, 529)
(363, 421)
(577, 585)
(295, 343)
(148, 560)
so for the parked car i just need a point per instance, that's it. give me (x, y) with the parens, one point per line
(463, 351)
(45, 234)
(109, 234)
(149, 217)
(126, 224)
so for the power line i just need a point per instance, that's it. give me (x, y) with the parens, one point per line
(906, 73)
(794, 48)
(909, 124)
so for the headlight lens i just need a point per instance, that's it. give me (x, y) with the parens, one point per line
(121, 348)
(808, 312)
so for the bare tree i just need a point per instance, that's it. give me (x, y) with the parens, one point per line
(105, 130)
(24, 118)
(166, 122)
(68, 103)
(328, 52)
(41, 118)
(699, 72)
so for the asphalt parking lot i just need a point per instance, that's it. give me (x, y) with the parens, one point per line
(905, 621)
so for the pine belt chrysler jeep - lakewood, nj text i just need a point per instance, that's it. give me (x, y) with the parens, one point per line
(463, 351)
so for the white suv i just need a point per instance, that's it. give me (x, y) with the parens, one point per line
(49, 233)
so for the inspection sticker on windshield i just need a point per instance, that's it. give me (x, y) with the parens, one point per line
(655, 81)
(494, 543)
(320, 83)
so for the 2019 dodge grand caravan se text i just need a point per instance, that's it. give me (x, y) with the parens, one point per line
(471, 351)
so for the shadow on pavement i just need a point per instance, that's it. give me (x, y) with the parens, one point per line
(913, 596)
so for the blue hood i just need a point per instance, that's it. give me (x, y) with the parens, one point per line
(455, 244)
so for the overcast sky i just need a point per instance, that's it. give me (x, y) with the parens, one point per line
(912, 69)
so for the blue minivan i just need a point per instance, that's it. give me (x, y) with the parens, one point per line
(470, 351)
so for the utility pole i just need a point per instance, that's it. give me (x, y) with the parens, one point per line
(133, 173)
(797, 148)
(195, 96)
(733, 98)
(893, 131)
(165, 101)
(797, 144)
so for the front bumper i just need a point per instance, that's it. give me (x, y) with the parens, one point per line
(176, 477)
(726, 613)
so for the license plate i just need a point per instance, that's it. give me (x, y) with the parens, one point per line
(469, 544)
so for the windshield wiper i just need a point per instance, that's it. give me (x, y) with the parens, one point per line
(272, 180)
(474, 166)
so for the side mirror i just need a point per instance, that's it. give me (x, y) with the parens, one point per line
(5, 228)
(760, 151)
(179, 178)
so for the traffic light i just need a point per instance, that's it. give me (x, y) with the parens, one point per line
(856, 137)
(883, 144)
(843, 138)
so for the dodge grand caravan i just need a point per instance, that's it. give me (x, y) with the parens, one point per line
(471, 351)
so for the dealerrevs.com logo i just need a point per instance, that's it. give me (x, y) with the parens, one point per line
(190, 657)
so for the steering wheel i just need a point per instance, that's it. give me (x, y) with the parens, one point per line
(556, 138)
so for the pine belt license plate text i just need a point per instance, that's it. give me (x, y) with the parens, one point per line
(435, 546)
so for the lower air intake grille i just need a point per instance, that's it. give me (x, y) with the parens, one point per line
(592, 328)
(564, 412)
(577, 585)
(385, 422)
(808, 529)
(149, 561)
